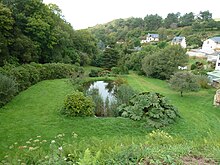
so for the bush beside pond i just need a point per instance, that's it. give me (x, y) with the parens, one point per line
(78, 105)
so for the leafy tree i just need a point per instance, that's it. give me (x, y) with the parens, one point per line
(153, 22)
(171, 19)
(162, 64)
(187, 19)
(205, 15)
(194, 40)
(184, 82)
(109, 58)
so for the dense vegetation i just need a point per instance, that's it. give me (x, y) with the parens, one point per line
(195, 27)
(37, 43)
(34, 32)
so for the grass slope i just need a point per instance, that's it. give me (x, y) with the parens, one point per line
(200, 119)
(34, 112)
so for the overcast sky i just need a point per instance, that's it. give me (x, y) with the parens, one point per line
(86, 13)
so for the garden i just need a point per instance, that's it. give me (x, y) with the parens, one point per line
(38, 128)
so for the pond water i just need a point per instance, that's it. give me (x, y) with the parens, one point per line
(106, 89)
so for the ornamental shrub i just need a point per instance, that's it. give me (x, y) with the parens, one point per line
(77, 104)
(151, 107)
(8, 88)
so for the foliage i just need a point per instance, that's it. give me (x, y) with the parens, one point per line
(109, 58)
(124, 93)
(203, 81)
(184, 82)
(122, 69)
(118, 139)
(76, 104)
(35, 32)
(94, 73)
(98, 101)
(8, 89)
(152, 107)
(120, 80)
(197, 65)
(162, 64)
(153, 22)
(29, 74)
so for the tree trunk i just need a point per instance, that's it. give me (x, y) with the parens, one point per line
(181, 93)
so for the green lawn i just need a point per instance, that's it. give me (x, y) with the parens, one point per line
(35, 112)
(200, 119)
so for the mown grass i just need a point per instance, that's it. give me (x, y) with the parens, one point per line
(35, 112)
(200, 119)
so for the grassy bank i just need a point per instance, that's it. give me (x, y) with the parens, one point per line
(34, 114)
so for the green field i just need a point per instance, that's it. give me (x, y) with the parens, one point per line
(35, 112)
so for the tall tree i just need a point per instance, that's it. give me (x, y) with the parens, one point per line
(205, 15)
(171, 19)
(162, 64)
(187, 19)
(110, 58)
(153, 22)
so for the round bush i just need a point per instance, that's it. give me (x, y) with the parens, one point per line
(76, 104)
(8, 89)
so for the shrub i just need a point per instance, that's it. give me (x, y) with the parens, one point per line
(152, 107)
(76, 104)
(115, 70)
(124, 93)
(119, 81)
(120, 70)
(8, 89)
(22, 77)
(203, 81)
(94, 73)
(29, 74)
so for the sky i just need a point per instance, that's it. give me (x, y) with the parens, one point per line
(87, 13)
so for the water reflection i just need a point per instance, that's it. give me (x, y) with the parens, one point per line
(105, 89)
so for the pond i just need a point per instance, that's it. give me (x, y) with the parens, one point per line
(105, 89)
(102, 93)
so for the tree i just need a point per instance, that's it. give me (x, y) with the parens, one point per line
(187, 19)
(184, 82)
(171, 19)
(162, 64)
(109, 58)
(205, 15)
(153, 22)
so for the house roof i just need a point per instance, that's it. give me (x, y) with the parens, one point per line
(178, 39)
(216, 39)
(153, 35)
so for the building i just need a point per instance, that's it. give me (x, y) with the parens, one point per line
(179, 41)
(151, 38)
(211, 45)
(214, 76)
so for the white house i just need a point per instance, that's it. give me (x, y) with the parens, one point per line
(211, 45)
(179, 41)
(151, 38)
